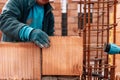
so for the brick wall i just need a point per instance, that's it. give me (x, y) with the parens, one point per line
(58, 16)
(72, 18)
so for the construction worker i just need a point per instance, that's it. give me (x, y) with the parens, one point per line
(29, 21)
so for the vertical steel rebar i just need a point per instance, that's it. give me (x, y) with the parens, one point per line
(98, 63)
(114, 34)
(84, 41)
(97, 26)
(80, 19)
(102, 26)
(89, 33)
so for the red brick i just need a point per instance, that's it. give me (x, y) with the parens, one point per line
(69, 1)
(3, 1)
(72, 13)
(72, 29)
(57, 6)
(72, 20)
(57, 26)
(58, 20)
(57, 13)
(72, 6)
(72, 33)
(76, 0)
(58, 32)
(57, 1)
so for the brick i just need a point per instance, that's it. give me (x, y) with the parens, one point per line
(58, 20)
(72, 29)
(58, 32)
(72, 6)
(72, 20)
(69, 1)
(57, 26)
(58, 29)
(57, 6)
(57, 13)
(3, 1)
(76, 0)
(57, 1)
(72, 33)
(72, 13)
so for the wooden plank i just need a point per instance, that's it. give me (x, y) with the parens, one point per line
(19, 61)
(64, 57)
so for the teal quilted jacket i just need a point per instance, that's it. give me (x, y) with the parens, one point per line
(14, 15)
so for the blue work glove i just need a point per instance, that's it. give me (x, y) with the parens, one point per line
(40, 38)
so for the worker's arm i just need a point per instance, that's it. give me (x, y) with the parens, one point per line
(12, 27)
(9, 23)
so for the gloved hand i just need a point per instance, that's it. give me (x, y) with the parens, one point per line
(40, 38)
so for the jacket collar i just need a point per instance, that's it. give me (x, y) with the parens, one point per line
(47, 6)
(31, 3)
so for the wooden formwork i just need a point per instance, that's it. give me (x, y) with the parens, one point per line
(19, 61)
(27, 61)
(64, 57)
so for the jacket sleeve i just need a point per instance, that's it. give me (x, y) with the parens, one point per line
(51, 25)
(9, 19)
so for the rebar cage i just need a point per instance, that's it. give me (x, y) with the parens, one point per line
(97, 21)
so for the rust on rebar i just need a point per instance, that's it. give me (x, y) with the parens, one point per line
(84, 41)
(96, 32)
